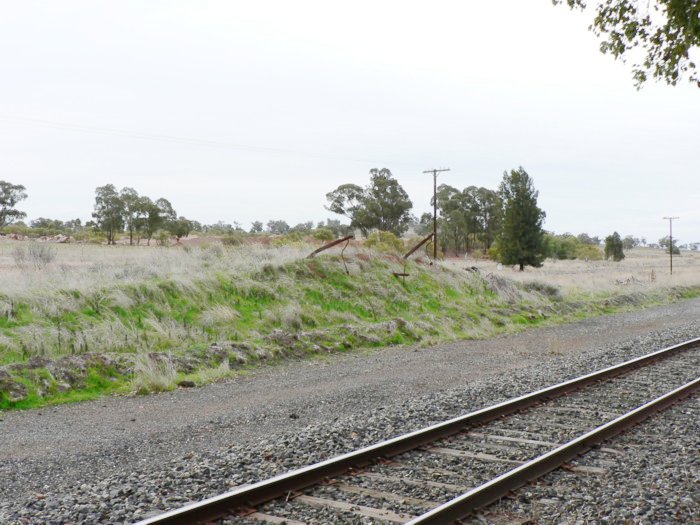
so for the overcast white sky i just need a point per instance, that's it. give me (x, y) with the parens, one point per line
(273, 104)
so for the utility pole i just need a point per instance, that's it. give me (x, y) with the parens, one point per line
(670, 238)
(435, 173)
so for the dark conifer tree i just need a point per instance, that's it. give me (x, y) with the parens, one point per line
(613, 247)
(521, 240)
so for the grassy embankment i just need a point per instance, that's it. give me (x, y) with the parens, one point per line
(117, 319)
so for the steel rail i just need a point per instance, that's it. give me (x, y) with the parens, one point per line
(283, 484)
(478, 497)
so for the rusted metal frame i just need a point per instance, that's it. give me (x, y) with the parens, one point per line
(345, 239)
(403, 274)
(491, 491)
(417, 246)
(266, 490)
(330, 245)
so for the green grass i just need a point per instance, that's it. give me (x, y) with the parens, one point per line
(296, 308)
(98, 382)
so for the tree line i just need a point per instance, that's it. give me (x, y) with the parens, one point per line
(505, 223)
(124, 211)
(137, 215)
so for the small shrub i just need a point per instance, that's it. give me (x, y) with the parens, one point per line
(289, 239)
(233, 239)
(384, 242)
(219, 314)
(324, 234)
(153, 373)
(494, 252)
(589, 252)
(89, 237)
(40, 255)
(163, 237)
(215, 250)
(19, 255)
(209, 375)
(542, 288)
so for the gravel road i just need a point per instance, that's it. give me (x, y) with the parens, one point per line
(117, 459)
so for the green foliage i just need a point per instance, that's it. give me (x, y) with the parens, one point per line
(163, 237)
(295, 308)
(303, 227)
(383, 205)
(665, 243)
(289, 239)
(588, 252)
(277, 227)
(584, 238)
(521, 240)
(468, 219)
(324, 234)
(139, 214)
(668, 32)
(613, 247)
(630, 242)
(27, 231)
(90, 237)
(384, 242)
(180, 228)
(494, 252)
(133, 210)
(109, 211)
(10, 196)
(561, 246)
(568, 246)
(233, 239)
(338, 229)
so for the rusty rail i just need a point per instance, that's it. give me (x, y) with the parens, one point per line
(464, 505)
(266, 490)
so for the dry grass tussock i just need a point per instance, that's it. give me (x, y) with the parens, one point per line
(153, 373)
(85, 268)
(643, 269)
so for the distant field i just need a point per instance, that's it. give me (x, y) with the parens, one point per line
(635, 272)
(77, 321)
(84, 267)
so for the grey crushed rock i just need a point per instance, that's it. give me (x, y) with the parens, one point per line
(119, 474)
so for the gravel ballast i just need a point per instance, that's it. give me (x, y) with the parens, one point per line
(68, 465)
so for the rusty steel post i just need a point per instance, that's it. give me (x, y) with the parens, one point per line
(417, 246)
(330, 245)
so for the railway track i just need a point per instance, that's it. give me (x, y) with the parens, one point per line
(446, 472)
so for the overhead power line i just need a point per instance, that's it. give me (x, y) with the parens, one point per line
(187, 140)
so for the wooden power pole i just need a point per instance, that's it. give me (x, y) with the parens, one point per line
(670, 239)
(435, 173)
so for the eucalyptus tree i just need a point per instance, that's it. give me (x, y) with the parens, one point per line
(382, 205)
(666, 31)
(109, 211)
(10, 196)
